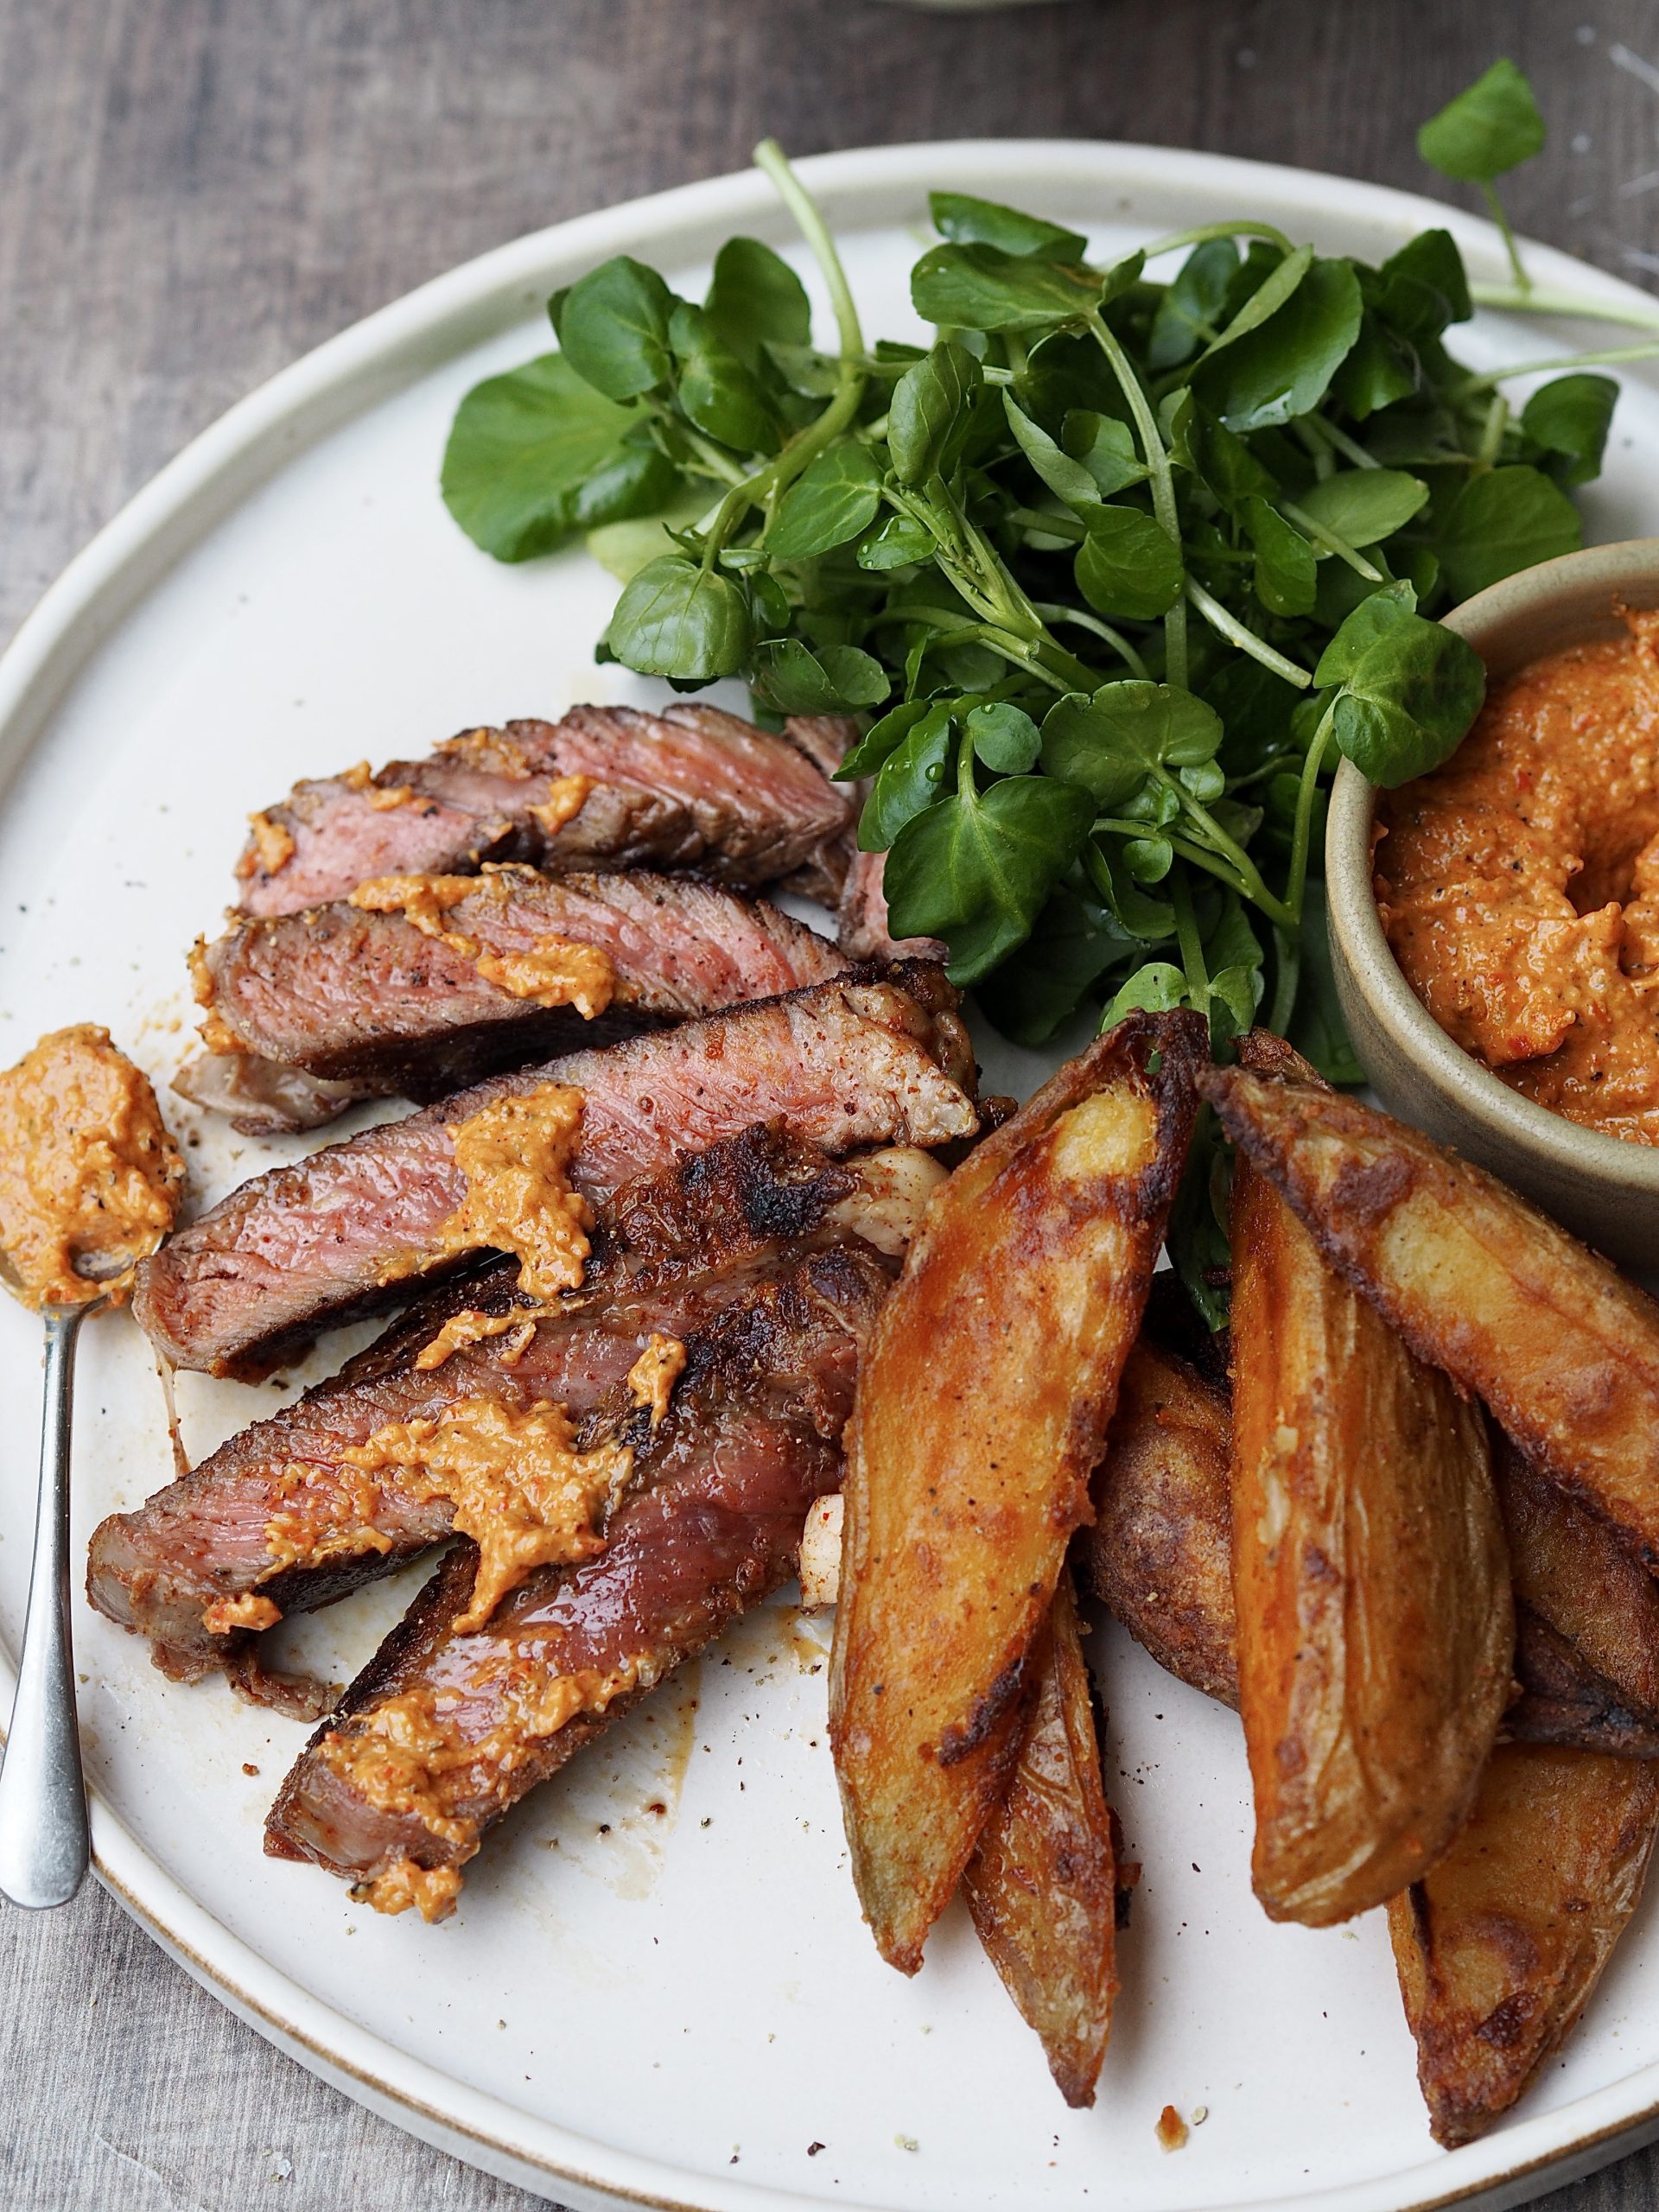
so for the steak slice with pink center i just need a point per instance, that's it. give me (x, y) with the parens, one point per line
(691, 787)
(871, 1059)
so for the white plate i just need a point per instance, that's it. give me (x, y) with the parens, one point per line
(667, 2006)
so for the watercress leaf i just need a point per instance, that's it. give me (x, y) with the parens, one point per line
(716, 391)
(1069, 478)
(1106, 449)
(678, 620)
(756, 298)
(1365, 505)
(925, 408)
(1424, 286)
(1264, 299)
(1225, 462)
(1255, 706)
(614, 328)
(624, 548)
(898, 542)
(1191, 307)
(882, 740)
(1379, 612)
(1235, 994)
(1148, 920)
(1570, 419)
(1157, 987)
(1004, 737)
(911, 778)
(1317, 1028)
(977, 870)
(1074, 942)
(1127, 566)
(1232, 942)
(808, 373)
(538, 452)
(967, 221)
(981, 288)
(1287, 574)
(791, 679)
(1149, 860)
(1491, 127)
(837, 499)
(1109, 743)
(1381, 370)
(1407, 700)
(1497, 522)
(1204, 779)
(1283, 367)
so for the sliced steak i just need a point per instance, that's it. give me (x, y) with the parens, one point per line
(752, 1438)
(875, 1058)
(669, 1253)
(690, 787)
(861, 916)
(372, 1006)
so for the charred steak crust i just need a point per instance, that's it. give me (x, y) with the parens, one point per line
(669, 1251)
(368, 1001)
(690, 787)
(878, 1056)
(752, 1438)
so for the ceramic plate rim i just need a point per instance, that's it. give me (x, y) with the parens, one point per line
(343, 378)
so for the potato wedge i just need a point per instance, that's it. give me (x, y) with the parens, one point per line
(1160, 1553)
(982, 1401)
(1042, 1883)
(1500, 1944)
(1370, 1581)
(1479, 1283)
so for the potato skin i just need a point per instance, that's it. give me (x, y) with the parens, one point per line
(1160, 1553)
(1375, 1625)
(982, 1401)
(1499, 1946)
(1479, 1283)
(1041, 1885)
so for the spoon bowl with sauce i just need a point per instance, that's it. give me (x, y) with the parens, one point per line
(1489, 922)
(90, 1184)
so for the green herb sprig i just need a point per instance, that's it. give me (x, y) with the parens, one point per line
(1113, 571)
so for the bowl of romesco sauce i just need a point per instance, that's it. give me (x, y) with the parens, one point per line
(1494, 924)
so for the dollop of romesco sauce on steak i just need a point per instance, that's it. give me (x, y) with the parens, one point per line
(87, 1169)
(1519, 883)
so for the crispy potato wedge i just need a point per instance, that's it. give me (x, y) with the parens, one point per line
(1042, 1883)
(982, 1401)
(1563, 1350)
(1160, 1553)
(1375, 1625)
(1500, 1944)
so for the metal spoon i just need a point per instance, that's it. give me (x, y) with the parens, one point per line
(45, 1843)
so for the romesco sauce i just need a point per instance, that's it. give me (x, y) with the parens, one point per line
(1518, 885)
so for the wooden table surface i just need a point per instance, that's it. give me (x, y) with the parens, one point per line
(193, 192)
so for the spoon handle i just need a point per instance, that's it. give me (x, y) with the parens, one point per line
(44, 1844)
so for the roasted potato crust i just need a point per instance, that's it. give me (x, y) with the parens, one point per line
(1160, 1553)
(1563, 1350)
(1041, 1885)
(1500, 1944)
(982, 1401)
(1375, 1625)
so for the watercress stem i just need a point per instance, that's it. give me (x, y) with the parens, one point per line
(1317, 534)
(1202, 232)
(1536, 300)
(1610, 355)
(1249, 875)
(1495, 208)
(770, 157)
(1119, 644)
(1155, 455)
(1247, 641)
(1186, 936)
(1287, 976)
(1307, 792)
(1335, 437)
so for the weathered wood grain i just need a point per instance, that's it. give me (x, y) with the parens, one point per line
(193, 192)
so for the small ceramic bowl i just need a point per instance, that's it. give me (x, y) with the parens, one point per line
(1603, 1188)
